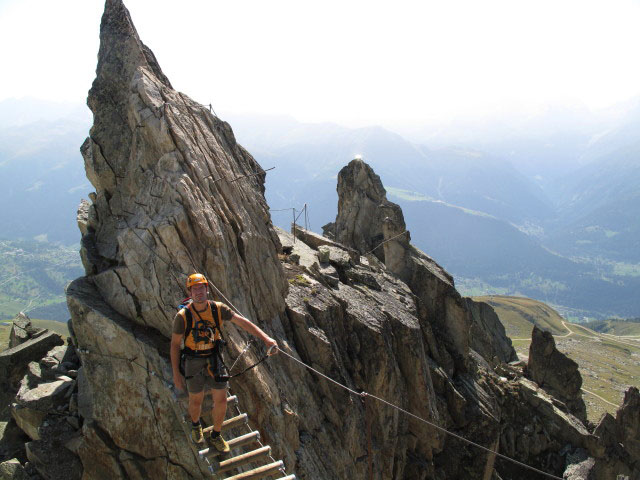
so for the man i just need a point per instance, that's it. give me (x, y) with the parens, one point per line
(202, 339)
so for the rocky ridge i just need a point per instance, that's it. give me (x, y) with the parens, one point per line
(175, 194)
(39, 438)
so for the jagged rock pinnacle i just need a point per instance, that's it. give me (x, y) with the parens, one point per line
(161, 165)
(174, 194)
(363, 208)
(555, 372)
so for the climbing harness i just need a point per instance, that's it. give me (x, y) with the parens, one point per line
(201, 333)
(202, 340)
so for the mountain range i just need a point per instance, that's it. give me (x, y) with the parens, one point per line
(550, 212)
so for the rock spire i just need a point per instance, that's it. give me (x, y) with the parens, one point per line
(174, 194)
(555, 372)
(366, 220)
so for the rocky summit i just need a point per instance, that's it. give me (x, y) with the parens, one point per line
(175, 194)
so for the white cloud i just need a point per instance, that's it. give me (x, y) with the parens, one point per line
(36, 186)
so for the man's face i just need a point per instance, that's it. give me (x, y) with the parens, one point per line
(199, 293)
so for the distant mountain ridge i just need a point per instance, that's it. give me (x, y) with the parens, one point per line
(42, 175)
(572, 242)
(601, 207)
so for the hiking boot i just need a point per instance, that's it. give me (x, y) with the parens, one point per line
(196, 433)
(220, 444)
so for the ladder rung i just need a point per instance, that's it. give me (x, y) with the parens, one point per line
(230, 423)
(259, 472)
(233, 443)
(243, 459)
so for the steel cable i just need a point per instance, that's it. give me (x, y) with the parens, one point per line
(364, 394)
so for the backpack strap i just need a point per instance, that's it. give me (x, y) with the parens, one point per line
(188, 321)
(217, 318)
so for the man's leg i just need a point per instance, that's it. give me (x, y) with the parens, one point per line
(195, 407)
(218, 413)
(219, 408)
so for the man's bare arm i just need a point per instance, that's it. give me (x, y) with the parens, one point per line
(254, 330)
(176, 343)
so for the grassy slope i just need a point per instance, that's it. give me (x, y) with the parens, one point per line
(608, 364)
(520, 314)
(616, 327)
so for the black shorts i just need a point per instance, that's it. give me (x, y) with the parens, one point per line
(200, 380)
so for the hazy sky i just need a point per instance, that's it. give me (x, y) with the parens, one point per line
(355, 62)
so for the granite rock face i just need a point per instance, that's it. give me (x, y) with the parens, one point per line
(488, 336)
(555, 372)
(175, 194)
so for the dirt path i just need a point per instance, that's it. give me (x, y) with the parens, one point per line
(610, 337)
(596, 395)
(603, 336)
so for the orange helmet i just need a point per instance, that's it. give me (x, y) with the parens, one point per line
(195, 279)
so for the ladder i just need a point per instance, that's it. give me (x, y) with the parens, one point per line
(248, 458)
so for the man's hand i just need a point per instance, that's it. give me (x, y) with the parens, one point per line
(270, 342)
(178, 381)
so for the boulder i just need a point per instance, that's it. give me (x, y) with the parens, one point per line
(606, 430)
(304, 255)
(34, 404)
(14, 361)
(12, 470)
(12, 440)
(555, 372)
(22, 330)
(338, 257)
(316, 241)
(579, 466)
